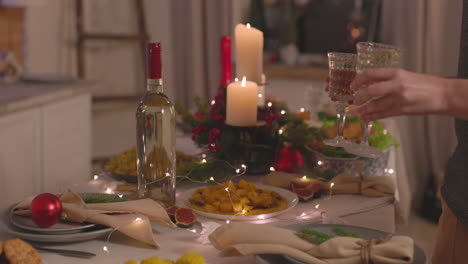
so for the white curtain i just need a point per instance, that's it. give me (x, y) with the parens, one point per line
(428, 31)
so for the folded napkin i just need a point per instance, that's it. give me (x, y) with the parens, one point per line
(243, 239)
(374, 186)
(131, 218)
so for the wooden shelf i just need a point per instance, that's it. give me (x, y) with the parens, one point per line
(281, 71)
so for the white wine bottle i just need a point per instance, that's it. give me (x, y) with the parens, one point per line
(156, 155)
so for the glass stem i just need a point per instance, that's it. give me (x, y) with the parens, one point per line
(341, 110)
(367, 132)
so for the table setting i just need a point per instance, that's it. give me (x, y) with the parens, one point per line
(245, 178)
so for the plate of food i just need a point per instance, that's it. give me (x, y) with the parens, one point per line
(123, 166)
(323, 232)
(241, 201)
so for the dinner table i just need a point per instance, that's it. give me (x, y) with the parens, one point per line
(379, 213)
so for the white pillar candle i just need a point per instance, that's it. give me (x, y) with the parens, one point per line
(249, 52)
(241, 105)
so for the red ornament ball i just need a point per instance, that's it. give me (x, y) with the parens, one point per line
(46, 210)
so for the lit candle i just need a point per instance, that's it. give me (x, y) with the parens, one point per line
(241, 106)
(249, 52)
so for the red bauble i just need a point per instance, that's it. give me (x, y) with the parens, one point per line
(46, 210)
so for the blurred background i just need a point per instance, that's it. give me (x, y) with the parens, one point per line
(56, 44)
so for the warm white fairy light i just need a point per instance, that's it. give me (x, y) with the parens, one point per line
(226, 189)
(391, 171)
(272, 168)
(120, 195)
(244, 166)
(109, 191)
(192, 230)
(105, 249)
(236, 79)
(168, 174)
(237, 171)
(260, 95)
(269, 104)
(319, 162)
(280, 131)
(283, 112)
(303, 214)
(332, 184)
(203, 155)
(211, 179)
(137, 219)
(96, 177)
(227, 221)
(203, 161)
(302, 110)
(248, 25)
(304, 177)
(317, 206)
(244, 211)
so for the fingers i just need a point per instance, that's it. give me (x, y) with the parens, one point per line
(380, 108)
(372, 76)
(375, 90)
(379, 115)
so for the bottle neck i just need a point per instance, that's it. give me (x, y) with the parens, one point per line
(154, 85)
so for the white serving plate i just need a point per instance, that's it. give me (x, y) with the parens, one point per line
(26, 223)
(290, 197)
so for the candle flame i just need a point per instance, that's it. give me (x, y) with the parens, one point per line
(244, 81)
(248, 25)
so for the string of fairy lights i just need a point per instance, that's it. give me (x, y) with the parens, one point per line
(237, 172)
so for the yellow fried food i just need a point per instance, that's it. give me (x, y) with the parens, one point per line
(191, 258)
(242, 198)
(125, 162)
(156, 260)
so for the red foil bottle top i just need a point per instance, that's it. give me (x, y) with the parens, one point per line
(226, 73)
(153, 57)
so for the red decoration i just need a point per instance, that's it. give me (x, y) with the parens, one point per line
(289, 160)
(46, 210)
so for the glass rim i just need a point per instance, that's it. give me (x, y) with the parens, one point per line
(377, 45)
(341, 54)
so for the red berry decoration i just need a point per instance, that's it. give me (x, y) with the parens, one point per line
(46, 210)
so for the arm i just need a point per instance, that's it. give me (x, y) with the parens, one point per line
(393, 92)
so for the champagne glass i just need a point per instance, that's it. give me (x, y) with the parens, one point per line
(372, 55)
(342, 68)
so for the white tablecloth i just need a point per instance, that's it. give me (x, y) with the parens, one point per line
(377, 213)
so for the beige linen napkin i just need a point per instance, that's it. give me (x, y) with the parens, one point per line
(373, 186)
(131, 218)
(243, 239)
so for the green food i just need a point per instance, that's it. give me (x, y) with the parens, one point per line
(343, 232)
(313, 236)
(330, 151)
(316, 237)
(382, 139)
(103, 198)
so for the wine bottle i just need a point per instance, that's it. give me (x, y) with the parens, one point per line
(226, 72)
(155, 127)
